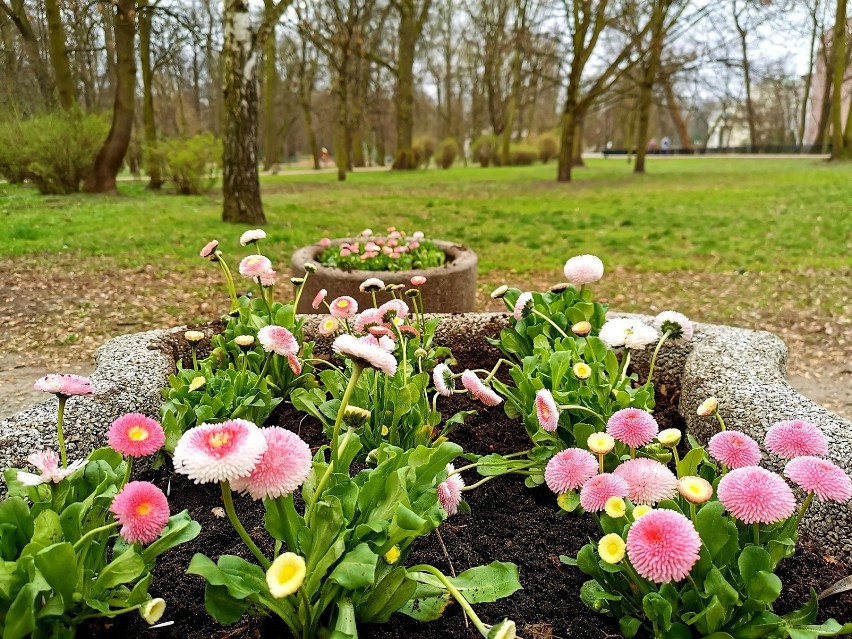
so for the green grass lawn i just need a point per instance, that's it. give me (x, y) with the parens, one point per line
(717, 215)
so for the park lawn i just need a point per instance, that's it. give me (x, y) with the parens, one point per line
(706, 215)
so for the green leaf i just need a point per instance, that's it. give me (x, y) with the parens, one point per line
(716, 584)
(389, 595)
(121, 570)
(57, 564)
(20, 618)
(344, 626)
(690, 462)
(222, 606)
(357, 569)
(629, 626)
(658, 610)
(180, 529)
(560, 364)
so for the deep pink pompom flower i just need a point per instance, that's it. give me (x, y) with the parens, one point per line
(599, 489)
(450, 491)
(136, 435)
(754, 494)
(479, 390)
(795, 438)
(821, 477)
(546, 410)
(278, 340)
(254, 266)
(343, 307)
(365, 354)
(442, 378)
(318, 298)
(570, 469)
(142, 510)
(219, 452)
(734, 449)
(583, 269)
(632, 426)
(209, 249)
(282, 469)
(523, 306)
(648, 481)
(64, 385)
(663, 546)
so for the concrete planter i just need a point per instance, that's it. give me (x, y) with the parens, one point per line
(450, 288)
(744, 369)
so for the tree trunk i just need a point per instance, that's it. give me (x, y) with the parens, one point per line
(838, 39)
(29, 42)
(151, 150)
(566, 146)
(271, 141)
(403, 158)
(59, 55)
(803, 121)
(750, 115)
(344, 140)
(820, 139)
(512, 106)
(677, 117)
(111, 156)
(579, 125)
(240, 183)
(646, 88)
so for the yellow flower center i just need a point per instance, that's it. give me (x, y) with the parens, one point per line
(143, 509)
(137, 433)
(217, 440)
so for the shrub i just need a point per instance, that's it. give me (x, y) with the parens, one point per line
(481, 150)
(193, 163)
(548, 147)
(522, 154)
(55, 151)
(424, 150)
(448, 153)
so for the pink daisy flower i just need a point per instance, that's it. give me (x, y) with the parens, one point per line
(282, 468)
(821, 477)
(219, 452)
(384, 342)
(663, 546)
(252, 236)
(392, 309)
(367, 318)
(409, 330)
(570, 469)
(450, 491)
(329, 326)
(209, 250)
(365, 354)
(546, 410)
(254, 266)
(632, 426)
(442, 378)
(142, 510)
(278, 340)
(136, 435)
(796, 438)
(318, 298)
(523, 306)
(343, 307)
(267, 279)
(597, 490)
(753, 494)
(583, 269)
(294, 364)
(418, 280)
(734, 449)
(371, 284)
(64, 385)
(325, 242)
(648, 481)
(677, 324)
(47, 462)
(479, 390)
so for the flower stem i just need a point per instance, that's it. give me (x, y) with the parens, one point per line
(128, 468)
(721, 421)
(549, 321)
(344, 402)
(194, 358)
(60, 419)
(229, 280)
(625, 362)
(299, 290)
(93, 532)
(455, 593)
(756, 533)
(804, 508)
(654, 356)
(228, 501)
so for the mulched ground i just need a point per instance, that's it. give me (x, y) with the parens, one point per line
(508, 522)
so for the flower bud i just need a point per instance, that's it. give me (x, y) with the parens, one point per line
(193, 337)
(600, 443)
(353, 416)
(615, 507)
(582, 370)
(411, 293)
(285, 575)
(297, 281)
(499, 292)
(641, 511)
(310, 267)
(696, 490)
(559, 288)
(506, 629)
(708, 407)
(392, 555)
(420, 353)
(670, 437)
(581, 328)
(244, 341)
(611, 548)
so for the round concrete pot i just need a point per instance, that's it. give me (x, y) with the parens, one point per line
(744, 369)
(450, 288)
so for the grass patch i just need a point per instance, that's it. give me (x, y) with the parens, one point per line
(716, 215)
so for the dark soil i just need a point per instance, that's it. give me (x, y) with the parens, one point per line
(508, 522)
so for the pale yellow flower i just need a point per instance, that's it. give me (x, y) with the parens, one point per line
(152, 611)
(641, 511)
(611, 548)
(669, 437)
(392, 555)
(708, 407)
(285, 575)
(600, 443)
(582, 370)
(615, 507)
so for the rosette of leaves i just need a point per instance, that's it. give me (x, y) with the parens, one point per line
(225, 394)
(563, 309)
(730, 591)
(345, 538)
(401, 411)
(61, 562)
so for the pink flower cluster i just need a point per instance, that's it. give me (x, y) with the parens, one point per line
(266, 463)
(394, 244)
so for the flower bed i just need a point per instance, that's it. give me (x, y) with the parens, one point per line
(554, 400)
(452, 286)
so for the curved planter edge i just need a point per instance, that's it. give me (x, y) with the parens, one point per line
(744, 369)
(450, 288)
